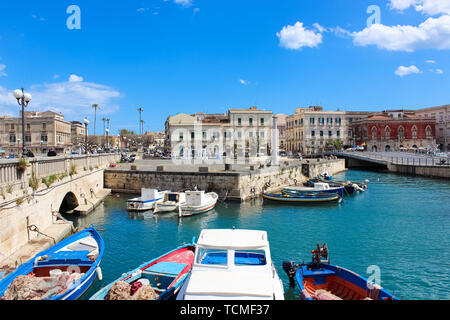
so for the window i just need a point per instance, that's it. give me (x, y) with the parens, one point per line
(204, 134)
(313, 133)
(28, 127)
(321, 133)
(181, 136)
(338, 121)
(239, 121)
(374, 133)
(311, 120)
(44, 139)
(401, 133)
(428, 132)
(338, 133)
(28, 139)
(330, 133)
(414, 132)
(12, 138)
(249, 257)
(250, 121)
(192, 135)
(44, 126)
(262, 121)
(321, 121)
(330, 121)
(387, 133)
(212, 257)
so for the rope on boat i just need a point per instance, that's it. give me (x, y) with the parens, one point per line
(58, 215)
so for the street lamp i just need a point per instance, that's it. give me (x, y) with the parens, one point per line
(86, 123)
(23, 99)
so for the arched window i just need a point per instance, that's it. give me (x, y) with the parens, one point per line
(387, 132)
(414, 132)
(374, 133)
(401, 132)
(428, 132)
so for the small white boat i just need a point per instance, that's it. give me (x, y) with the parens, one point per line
(198, 202)
(146, 201)
(172, 202)
(232, 264)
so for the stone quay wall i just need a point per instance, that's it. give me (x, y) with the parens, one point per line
(228, 185)
(427, 171)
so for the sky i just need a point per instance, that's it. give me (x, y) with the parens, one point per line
(173, 56)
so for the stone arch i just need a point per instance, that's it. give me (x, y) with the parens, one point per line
(68, 203)
(428, 131)
(374, 148)
(401, 132)
(414, 131)
(387, 148)
(387, 132)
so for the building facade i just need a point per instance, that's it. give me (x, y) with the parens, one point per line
(238, 133)
(312, 130)
(395, 130)
(442, 117)
(43, 131)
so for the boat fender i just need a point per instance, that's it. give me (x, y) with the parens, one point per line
(267, 184)
(99, 273)
(295, 181)
(252, 190)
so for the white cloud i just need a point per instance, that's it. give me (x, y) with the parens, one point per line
(2, 70)
(75, 78)
(295, 37)
(69, 98)
(244, 82)
(437, 71)
(434, 33)
(184, 3)
(142, 10)
(404, 71)
(430, 7)
(430, 61)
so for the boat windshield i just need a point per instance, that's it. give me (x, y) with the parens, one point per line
(247, 257)
(219, 257)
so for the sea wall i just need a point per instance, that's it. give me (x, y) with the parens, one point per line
(427, 171)
(228, 184)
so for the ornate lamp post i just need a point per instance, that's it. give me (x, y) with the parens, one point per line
(23, 99)
(107, 138)
(86, 123)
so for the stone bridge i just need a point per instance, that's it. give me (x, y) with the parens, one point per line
(33, 194)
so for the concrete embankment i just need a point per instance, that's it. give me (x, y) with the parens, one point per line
(240, 184)
(427, 171)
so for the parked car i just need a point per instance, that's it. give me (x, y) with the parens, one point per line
(51, 153)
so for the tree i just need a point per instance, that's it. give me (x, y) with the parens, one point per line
(95, 106)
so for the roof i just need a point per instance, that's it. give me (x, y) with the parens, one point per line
(229, 238)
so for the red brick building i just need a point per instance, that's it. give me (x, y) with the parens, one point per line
(394, 131)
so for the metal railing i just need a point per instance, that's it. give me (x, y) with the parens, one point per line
(409, 159)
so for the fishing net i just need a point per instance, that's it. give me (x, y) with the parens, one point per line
(121, 290)
(37, 288)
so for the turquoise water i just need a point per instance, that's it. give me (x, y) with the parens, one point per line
(400, 224)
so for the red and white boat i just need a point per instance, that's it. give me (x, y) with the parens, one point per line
(198, 202)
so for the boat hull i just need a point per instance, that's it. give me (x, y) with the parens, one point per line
(175, 256)
(303, 199)
(79, 287)
(340, 191)
(330, 282)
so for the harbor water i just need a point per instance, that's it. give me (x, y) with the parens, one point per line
(397, 229)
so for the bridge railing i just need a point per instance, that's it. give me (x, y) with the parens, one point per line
(399, 158)
(13, 177)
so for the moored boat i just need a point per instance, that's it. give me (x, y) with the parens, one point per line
(63, 272)
(307, 198)
(146, 201)
(198, 202)
(232, 264)
(158, 279)
(320, 280)
(171, 202)
(318, 187)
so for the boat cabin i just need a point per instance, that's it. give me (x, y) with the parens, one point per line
(232, 264)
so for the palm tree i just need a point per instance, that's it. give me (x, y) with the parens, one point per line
(104, 129)
(95, 106)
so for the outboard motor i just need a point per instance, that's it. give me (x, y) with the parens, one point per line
(290, 268)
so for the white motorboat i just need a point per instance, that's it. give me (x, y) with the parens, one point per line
(146, 201)
(198, 202)
(232, 264)
(172, 202)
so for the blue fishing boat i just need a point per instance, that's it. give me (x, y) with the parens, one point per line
(158, 279)
(320, 280)
(318, 187)
(307, 198)
(63, 272)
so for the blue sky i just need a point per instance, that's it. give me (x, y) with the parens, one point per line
(189, 56)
